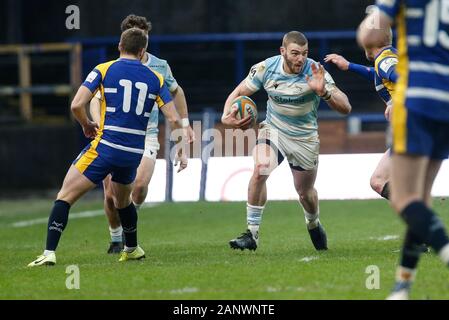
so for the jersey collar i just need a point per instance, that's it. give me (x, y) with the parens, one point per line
(387, 48)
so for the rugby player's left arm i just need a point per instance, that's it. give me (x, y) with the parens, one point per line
(179, 98)
(338, 101)
(167, 106)
(333, 96)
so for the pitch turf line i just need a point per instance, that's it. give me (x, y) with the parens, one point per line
(76, 215)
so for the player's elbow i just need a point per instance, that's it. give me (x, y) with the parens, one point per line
(346, 108)
(76, 105)
(172, 118)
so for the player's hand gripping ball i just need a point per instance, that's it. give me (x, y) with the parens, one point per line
(245, 107)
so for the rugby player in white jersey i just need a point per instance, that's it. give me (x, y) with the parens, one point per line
(294, 84)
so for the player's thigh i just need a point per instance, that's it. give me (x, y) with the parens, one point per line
(432, 172)
(408, 176)
(302, 155)
(74, 186)
(145, 171)
(416, 140)
(107, 187)
(266, 154)
(382, 171)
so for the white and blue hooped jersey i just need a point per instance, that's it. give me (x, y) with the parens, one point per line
(423, 45)
(162, 67)
(130, 91)
(292, 105)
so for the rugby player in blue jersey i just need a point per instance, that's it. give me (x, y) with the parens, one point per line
(146, 167)
(420, 122)
(130, 90)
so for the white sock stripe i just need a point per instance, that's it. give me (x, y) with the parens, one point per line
(116, 232)
(255, 207)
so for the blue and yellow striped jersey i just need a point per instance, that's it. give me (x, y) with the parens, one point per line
(130, 90)
(423, 46)
(385, 75)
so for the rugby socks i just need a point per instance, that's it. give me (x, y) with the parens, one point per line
(254, 218)
(386, 191)
(409, 257)
(116, 234)
(56, 224)
(128, 217)
(405, 276)
(424, 224)
(312, 219)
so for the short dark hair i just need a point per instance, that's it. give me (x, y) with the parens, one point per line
(294, 37)
(133, 21)
(133, 40)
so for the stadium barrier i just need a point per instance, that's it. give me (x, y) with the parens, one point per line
(340, 176)
(25, 88)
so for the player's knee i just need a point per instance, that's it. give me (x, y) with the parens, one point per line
(139, 193)
(261, 171)
(377, 184)
(306, 195)
(120, 203)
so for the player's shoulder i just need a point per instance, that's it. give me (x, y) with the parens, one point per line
(153, 74)
(272, 62)
(386, 53)
(386, 59)
(157, 63)
(103, 67)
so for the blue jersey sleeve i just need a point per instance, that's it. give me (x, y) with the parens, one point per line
(93, 80)
(387, 69)
(164, 96)
(389, 7)
(366, 72)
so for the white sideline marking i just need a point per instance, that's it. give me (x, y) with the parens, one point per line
(184, 290)
(308, 259)
(76, 215)
(386, 238)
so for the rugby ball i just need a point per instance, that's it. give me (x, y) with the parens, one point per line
(245, 107)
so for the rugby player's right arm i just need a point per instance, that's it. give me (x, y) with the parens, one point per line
(78, 107)
(229, 116)
(94, 108)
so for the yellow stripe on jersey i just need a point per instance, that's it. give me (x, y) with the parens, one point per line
(160, 77)
(159, 101)
(399, 116)
(387, 83)
(103, 68)
(88, 157)
(91, 154)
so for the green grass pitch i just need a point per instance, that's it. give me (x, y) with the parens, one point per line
(188, 256)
